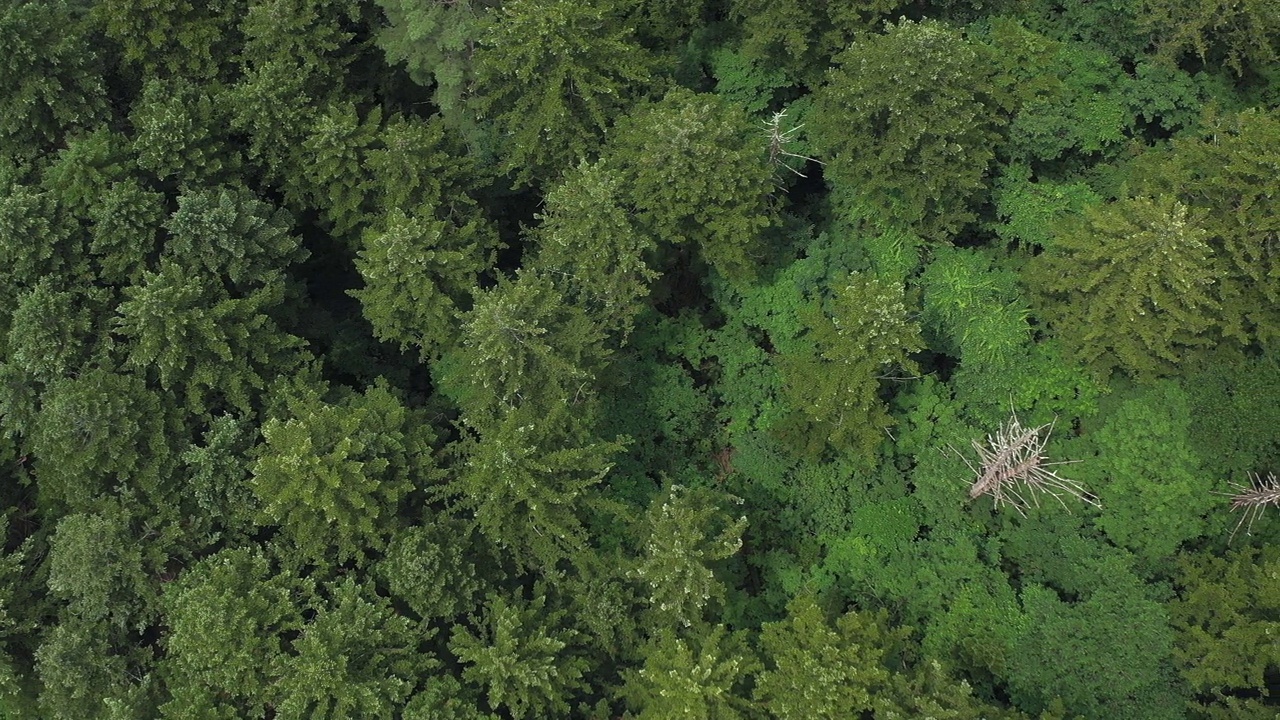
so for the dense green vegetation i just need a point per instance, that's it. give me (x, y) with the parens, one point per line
(471, 359)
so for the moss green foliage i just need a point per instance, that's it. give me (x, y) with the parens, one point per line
(481, 360)
(664, 152)
(1132, 284)
(550, 74)
(907, 122)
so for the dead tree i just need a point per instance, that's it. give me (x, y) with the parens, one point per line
(1253, 499)
(1014, 471)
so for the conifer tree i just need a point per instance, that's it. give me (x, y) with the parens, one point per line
(907, 123)
(1132, 285)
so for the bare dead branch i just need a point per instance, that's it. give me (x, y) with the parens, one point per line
(1013, 469)
(1253, 499)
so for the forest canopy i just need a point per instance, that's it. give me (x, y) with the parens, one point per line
(651, 359)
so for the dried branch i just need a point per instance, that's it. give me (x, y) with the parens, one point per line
(1254, 499)
(778, 141)
(1014, 471)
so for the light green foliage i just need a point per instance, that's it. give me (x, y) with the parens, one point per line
(356, 658)
(550, 74)
(1243, 36)
(974, 307)
(866, 337)
(185, 327)
(226, 617)
(331, 474)
(688, 531)
(1227, 172)
(1110, 655)
(1225, 615)
(907, 122)
(696, 170)
(745, 82)
(179, 132)
(589, 245)
(97, 431)
(817, 671)
(50, 78)
(1131, 285)
(416, 271)
(528, 479)
(436, 43)
(1032, 210)
(431, 569)
(691, 678)
(1153, 492)
(522, 656)
(523, 345)
(230, 232)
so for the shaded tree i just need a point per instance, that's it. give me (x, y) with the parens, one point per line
(907, 123)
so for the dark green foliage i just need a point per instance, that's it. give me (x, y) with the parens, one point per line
(866, 338)
(413, 269)
(179, 129)
(523, 345)
(1242, 36)
(1224, 172)
(480, 359)
(355, 658)
(231, 233)
(226, 617)
(436, 42)
(665, 152)
(52, 79)
(687, 530)
(170, 39)
(907, 123)
(590, 245)
(97, 432)
(1109, 655)
(529, 480)
(549, 76)
(184, 327)
(1225, 616)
